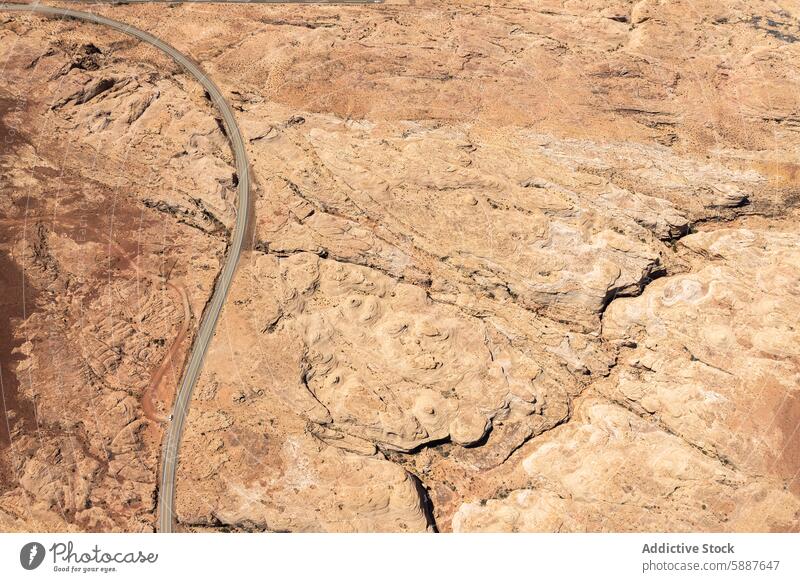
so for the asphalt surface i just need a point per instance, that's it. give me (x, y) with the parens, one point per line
(166, 492)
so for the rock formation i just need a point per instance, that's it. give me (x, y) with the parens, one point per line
(513, 268)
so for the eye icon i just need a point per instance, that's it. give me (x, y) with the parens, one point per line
(31, 555)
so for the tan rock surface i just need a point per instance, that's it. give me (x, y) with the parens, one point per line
(609, 470)
(717, 356)
(514, 267)
(107, 261)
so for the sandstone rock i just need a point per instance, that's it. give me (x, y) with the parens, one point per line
(716, 358)
(512, 267)
(106, 299)
(610, 470)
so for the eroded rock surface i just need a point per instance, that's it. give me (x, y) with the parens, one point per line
(609, 470)
(514, 267)
(112, 234)
(716, 358)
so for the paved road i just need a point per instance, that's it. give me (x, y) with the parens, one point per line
(212, 312)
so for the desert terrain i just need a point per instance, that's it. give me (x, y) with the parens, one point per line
(514, 266)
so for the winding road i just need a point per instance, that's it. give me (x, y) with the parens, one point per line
(166, 493)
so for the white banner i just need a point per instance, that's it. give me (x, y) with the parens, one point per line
(389, 557)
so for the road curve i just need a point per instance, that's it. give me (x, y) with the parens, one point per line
(166, 493)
